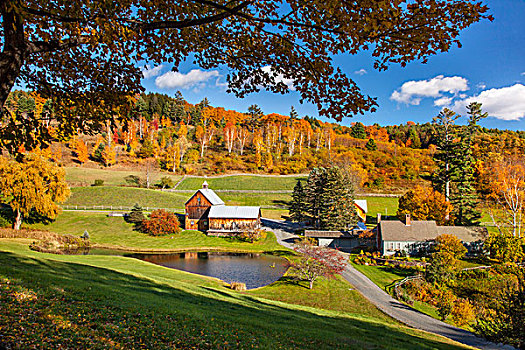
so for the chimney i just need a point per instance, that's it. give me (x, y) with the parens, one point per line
(407, 220)
(205, 184)
(378, 218)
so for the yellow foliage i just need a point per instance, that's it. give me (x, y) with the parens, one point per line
(109, 156)
(423, 203)
(33, 184)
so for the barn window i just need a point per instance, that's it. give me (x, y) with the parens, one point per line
(199, 200)
(193, 223)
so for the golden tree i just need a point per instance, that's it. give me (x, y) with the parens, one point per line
(81, 151)
(423, 203)
(109, 156)
(33, 185)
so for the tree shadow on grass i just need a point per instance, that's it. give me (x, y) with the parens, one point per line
(208, 310)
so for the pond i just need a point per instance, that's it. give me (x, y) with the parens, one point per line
(255, 270)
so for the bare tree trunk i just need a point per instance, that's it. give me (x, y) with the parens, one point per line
(18, 220)
(311, 284)
(14, 53)
(147, 175)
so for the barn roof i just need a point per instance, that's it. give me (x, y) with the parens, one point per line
(233, 212)
(362, 203)
(419, 231)
(210, 196)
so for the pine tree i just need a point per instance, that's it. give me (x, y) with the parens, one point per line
(136, 216)
(313, 190)
(371, 145)
(299, 204)
(358, 131)
(445, 135)
(329, 197)
(337, 211)
(466, 198)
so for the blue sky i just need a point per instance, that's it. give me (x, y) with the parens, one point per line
(489, 68)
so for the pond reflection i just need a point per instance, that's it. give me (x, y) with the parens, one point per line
(255, 270)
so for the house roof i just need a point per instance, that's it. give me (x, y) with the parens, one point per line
(425, 230)
(362, 203)
(324, 234)
(210, 196)
(233, 212)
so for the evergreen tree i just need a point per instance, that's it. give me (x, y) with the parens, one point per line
(371, 145)
(299, 204)
(358, 131)
(254, 121)
(293, 114)
(337, 210)
(445, 135)
(466, 198)
(136, 216)
(329, 197)
(314, 191)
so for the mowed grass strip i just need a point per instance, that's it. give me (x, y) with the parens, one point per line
(125, 196)
(80, 176)
(71, 301)
(242, 182)
(116, 232)
(128, 196)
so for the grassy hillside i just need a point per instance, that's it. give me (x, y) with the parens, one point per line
(241, 182)
(128, 196)
(115, 232)
(77, 176)
(54, 301)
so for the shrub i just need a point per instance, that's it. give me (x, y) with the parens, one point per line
(252, 236)
(445, 302)
(462, 312)
(161, 222)
(4, 222)
(165, 181)
(136, 216)
(133, 180)
(98, 182)
(238, 286)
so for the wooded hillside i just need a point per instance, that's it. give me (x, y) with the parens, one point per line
(171, 134)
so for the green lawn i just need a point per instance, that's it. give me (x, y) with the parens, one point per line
(335, 294)
(80, 176)
(53, 301)
(382, 205)
(128, 196)
(125, 196)
(242, 182)
(115, 232)
(383, 276)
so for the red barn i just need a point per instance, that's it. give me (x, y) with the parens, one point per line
(205, 211)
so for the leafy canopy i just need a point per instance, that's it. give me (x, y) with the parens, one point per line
(83, 55)
(32, 185)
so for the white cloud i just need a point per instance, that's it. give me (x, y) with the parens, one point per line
(507, 103)
(149, 72)
(279, 77)
(481, 86)
(362, 71)
(443, 101)
(413, 91)
(175, 80)
(522, 73)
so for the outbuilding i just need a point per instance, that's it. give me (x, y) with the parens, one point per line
(206, 211)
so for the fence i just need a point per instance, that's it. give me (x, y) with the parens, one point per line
(113, 208)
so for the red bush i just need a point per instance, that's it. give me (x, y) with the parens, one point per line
(161, 222)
